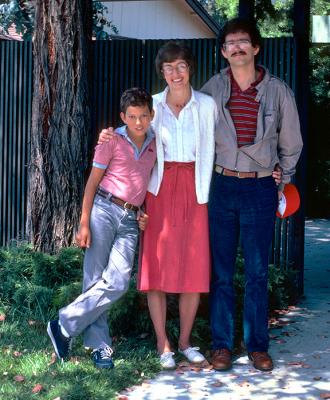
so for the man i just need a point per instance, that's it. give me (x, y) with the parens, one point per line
(258, 128)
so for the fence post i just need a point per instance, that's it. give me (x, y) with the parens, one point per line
(246, 9)
(301, 15)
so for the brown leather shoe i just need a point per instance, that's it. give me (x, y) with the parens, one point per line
(261, 360)
(221, 359)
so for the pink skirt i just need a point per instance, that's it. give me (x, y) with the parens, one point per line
(175, 251)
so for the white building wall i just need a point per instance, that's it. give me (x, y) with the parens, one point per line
(156, 19)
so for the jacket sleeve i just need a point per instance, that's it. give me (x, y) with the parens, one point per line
(208, 87)
(289, 136)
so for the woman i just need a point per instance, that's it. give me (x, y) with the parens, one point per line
(175, 254)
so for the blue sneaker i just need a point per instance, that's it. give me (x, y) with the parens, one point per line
(102, 357)
(61, 344)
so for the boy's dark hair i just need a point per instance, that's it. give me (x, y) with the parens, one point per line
(241, 25)
(136, 97)
(172, 51)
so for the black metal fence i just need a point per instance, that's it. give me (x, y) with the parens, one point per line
(116, 66)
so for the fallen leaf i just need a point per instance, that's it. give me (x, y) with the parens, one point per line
(53, 359)
(37, 389)
(244, 384)
(19, 378)
(296, 363)
(183, 364)
(217, 384)
(273, 337)
(325, 395)
(288, 334)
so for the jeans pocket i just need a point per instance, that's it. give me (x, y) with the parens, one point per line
(267, 183)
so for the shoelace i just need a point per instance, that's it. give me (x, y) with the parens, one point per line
(68, 342)
(106, 352)
(259, 355)
(167, 356)
(191, 349)
(222, 352)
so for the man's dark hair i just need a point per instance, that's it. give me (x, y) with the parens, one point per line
(241, 25)
(172, 51)
(136, 97)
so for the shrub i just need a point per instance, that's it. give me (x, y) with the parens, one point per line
(34, 285)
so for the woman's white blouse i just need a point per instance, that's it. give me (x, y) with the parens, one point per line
(194, 142)
(179, 134)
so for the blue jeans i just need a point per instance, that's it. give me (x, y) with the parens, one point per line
(107, 268)
(245, 209)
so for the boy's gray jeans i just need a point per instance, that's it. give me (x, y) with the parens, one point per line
(107, 269)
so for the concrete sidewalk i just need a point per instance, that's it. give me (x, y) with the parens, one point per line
(300, 347)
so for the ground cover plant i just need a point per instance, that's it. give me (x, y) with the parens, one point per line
(34, 285)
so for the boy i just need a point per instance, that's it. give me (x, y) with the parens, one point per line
(108, 228)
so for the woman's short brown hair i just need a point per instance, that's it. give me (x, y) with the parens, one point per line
(172, 51)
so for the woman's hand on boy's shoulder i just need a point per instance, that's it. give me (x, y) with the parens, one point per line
(83, 236)
(143, 221)
(105, 135)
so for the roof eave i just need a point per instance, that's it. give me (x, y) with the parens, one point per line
(202, 13)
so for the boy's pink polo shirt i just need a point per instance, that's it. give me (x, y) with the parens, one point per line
(127, 169)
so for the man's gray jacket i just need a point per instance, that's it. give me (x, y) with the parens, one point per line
(278, 138)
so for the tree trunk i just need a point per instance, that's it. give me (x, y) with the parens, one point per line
(60, 121)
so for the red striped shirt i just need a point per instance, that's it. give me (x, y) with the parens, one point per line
(244, 109)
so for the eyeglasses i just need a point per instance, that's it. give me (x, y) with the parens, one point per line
(169, 69)
(242, 43)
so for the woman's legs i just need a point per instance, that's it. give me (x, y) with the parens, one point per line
(157, 309)
(188, 305)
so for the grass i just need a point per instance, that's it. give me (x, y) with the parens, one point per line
(26, 351)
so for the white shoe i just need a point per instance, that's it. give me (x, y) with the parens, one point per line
(192, 354)
(167, 360)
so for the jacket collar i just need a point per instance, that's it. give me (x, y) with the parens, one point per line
(260, 87)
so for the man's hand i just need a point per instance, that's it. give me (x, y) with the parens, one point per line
(143, 221)
(83, 237)
(105, 135)
(277, 174)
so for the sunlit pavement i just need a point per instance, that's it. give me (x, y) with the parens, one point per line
(300, 346)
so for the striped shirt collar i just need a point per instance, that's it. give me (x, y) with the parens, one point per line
(253, 86)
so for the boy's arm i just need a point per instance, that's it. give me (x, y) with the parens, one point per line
(83, 236)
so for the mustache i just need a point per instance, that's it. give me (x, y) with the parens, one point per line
(240, 52)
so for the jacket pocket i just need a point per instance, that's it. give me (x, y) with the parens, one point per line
(270, 123)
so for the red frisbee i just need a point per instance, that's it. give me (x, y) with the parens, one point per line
(290, 201)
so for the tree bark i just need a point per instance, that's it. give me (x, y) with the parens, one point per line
(60, 121)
